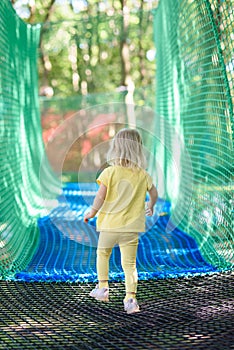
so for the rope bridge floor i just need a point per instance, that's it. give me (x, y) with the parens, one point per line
(67, 246)
(182, 313)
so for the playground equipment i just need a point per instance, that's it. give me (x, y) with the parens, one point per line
(193, 135)
(190, 150)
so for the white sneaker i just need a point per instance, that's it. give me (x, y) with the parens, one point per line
(101, 294)
(131, 306)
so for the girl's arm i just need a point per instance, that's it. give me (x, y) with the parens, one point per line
(153, 193)
(97, 203)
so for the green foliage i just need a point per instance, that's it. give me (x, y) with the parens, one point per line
(80, 49)
(88, 50)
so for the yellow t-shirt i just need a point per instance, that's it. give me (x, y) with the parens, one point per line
(124, 207)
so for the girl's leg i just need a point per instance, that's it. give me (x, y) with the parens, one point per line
(106, 242)
(128, 247)
(103, 257)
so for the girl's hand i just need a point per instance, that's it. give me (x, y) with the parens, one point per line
(97, 203)
(148, 210)
(87, 217)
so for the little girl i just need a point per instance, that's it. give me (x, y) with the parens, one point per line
(120, 201)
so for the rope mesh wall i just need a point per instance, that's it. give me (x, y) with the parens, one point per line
(195, 80)
(21, 147)
(193, 144)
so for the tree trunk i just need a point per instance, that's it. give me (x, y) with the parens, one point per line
(126, 66)
(141, 50)
(44, 58)
(124, 49)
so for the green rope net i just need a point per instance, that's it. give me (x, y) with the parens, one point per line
(194, 105)
(22, 178)
(192, 140)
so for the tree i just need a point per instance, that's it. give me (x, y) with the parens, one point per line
(95, 45)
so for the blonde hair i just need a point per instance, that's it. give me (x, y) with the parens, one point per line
(127, 149)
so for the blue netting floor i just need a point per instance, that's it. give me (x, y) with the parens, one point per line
(67, 246)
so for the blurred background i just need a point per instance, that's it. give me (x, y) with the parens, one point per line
(91, 53)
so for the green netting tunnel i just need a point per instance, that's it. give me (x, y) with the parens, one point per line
(189, 146)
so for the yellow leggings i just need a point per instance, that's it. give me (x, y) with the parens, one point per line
(128, 243)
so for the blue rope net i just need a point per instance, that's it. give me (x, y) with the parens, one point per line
(66, 250)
